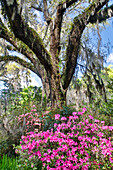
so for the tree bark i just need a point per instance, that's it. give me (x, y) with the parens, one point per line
(57, 94)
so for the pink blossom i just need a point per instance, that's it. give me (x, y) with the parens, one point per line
(86, 121)
(32, 165)
(80, 113)
(63, 118)
(74, 113)
(111, 159)
(100, 134)
(33, 110)
(111, 128)
(97, 121)
(91, 117)
(55, 125)
(72, 145)
(102, 122)
(75, 117)
(105, 127)
(57, 116)
(84, 109)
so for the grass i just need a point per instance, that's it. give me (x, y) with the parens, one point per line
(7, 163)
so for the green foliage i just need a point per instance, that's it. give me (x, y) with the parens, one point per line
(25, 164)
(12, 105)
(7, 163)
(20, 101)
(29, 96)
(107, 107)
(49, 117)
(109, 77)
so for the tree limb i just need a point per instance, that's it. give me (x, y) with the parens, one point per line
(59, 16)
(46, 13)
(20, 47)
(8, 36)
(19, 61)
(37, 8)
(55, 31)
(79, 24)
(27, 34)
(102, 15)
(67, 4)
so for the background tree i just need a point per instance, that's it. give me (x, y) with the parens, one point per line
(46, 52)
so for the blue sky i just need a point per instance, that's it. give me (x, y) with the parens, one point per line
(107, 36)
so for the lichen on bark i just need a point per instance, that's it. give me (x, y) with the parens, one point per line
(10, 2)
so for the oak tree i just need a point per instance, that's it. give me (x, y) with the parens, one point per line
(45, 51)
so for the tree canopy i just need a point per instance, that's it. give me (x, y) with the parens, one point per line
(47, 39)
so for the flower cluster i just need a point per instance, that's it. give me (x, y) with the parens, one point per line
(32, 120)
(73, 144)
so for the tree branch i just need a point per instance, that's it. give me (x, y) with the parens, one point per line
(102, 15)
(59, 16)
(19, 46)
(27, 34)
(8, 36)
(37, 8)
(67, 4)
(19, 61)
(79, 24)
(46, 13)
(55, 30)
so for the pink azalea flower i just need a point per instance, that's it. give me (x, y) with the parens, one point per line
(33, 110)
(57, 116)
(111, 128)
(74, 113)
(84, 109)
(80, 113)
(111, 159)
(97, 121)
(63, 118)
(100, 134)
(105, 127)
(86, 121)
(102, 122)
(91, 117)
(32, 165)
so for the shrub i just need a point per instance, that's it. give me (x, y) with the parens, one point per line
(75, 143)
(30, 121)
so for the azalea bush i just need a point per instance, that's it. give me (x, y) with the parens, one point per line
(78, 142)
(36, 120)
(30, 121)
(49, 117)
